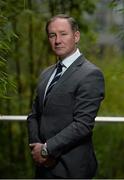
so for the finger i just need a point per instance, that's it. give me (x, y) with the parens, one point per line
(32, 145)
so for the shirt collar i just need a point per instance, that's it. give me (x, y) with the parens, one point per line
(69, 60)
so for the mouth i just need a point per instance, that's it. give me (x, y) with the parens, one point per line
(58, 47)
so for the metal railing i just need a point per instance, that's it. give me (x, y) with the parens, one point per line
(23, 118)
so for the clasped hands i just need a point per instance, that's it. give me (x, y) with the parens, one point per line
(36, 154)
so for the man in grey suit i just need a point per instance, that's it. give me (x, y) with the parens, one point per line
(63, 114)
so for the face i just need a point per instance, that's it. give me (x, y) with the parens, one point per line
(62, 38)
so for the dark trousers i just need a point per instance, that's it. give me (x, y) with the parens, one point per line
(44, 173)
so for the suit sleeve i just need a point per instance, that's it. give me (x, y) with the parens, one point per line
(32, 120)
(88, 97)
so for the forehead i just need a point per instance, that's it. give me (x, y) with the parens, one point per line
(59, 24)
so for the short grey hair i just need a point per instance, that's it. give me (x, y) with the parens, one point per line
(71, 20)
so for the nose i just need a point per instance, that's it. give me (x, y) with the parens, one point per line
(58, 39)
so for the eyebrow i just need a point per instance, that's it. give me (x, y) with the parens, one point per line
(59, 32)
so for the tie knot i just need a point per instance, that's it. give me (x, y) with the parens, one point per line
(60, 64)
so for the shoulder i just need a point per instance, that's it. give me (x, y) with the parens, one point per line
(88, 68)
(91, 78)
(45, 71)
(89, 73)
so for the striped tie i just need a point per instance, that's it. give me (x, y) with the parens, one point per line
(55, 79)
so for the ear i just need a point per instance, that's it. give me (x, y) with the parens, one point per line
(77, 36)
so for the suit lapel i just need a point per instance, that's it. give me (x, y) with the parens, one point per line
(43, 83)
(42, 86)
(74, 67)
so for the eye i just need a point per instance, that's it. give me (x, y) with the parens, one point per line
(51, 35)
(63, 33)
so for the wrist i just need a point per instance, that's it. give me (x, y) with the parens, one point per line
(44, 151)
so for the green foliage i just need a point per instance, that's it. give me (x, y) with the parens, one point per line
(109, 138)
(109, 150)
(112, 69)
(6, 35)
(15, 156)
(118, 29)
(24, 52)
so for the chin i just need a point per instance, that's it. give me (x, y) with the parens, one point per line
(60, 55)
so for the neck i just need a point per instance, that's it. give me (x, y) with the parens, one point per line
(61, 58)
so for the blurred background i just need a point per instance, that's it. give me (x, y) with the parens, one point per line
(24, 53)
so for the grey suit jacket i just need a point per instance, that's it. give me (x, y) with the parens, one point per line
(67, 120)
